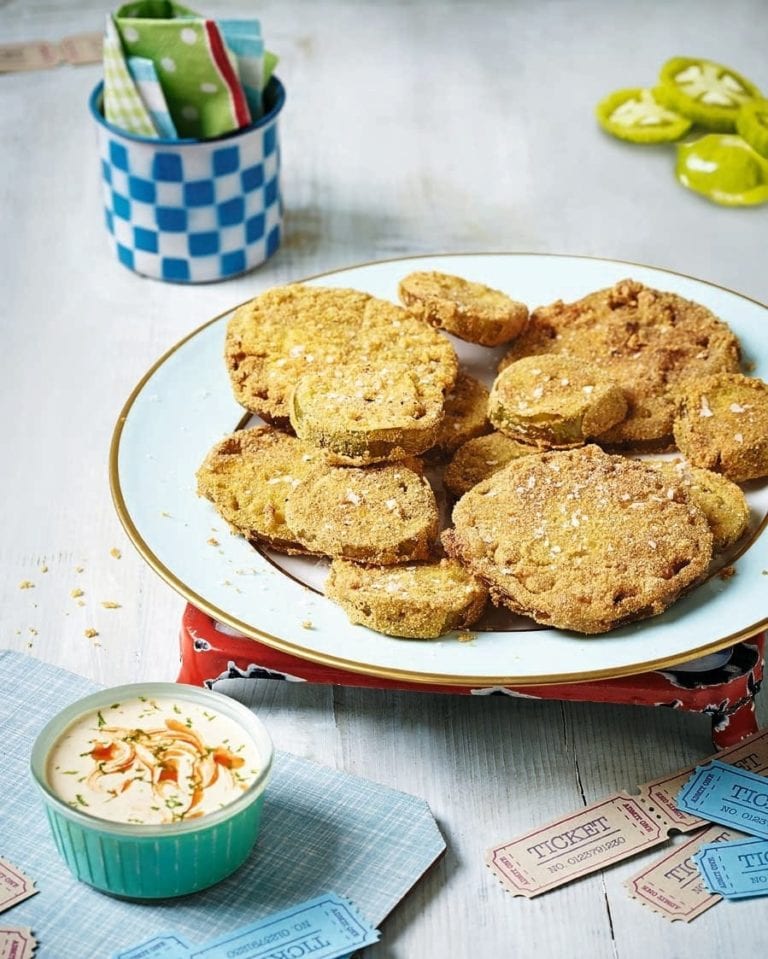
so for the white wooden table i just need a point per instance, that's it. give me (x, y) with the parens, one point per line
(410, 127)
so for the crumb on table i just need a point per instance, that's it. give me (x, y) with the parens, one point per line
(110, 604)
(115, 553)
(26, 584)
(90, 632)
(726, 572)
(77, 592)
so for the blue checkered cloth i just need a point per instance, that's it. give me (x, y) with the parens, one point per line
(193, 212)
(321, 831)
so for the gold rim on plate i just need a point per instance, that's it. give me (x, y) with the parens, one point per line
(366, 669)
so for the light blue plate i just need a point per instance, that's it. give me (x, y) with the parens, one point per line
(185, 404)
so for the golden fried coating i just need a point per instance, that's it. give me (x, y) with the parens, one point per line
(362, 415)
(380, 514)
(720, 500)
(421, 601)
(248, 477)
(291, 330)
(480, 458)
(466, 408)
(555, 402)
(721, 424)
(581, 539)
(471, 311)
(644, 340)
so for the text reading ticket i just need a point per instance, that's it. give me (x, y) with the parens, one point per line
(574, 846)
(660, 795)
(736, 870)
(327, 927)
(728, 795)
(672, 885)
(621, 826)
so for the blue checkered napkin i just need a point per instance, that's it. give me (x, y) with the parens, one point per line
(321, 831)
(196, 212)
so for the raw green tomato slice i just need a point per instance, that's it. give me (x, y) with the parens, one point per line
(752, 124)
(635, 115)
(724, 169)
(705, 92)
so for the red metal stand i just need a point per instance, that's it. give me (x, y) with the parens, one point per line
(726, 694)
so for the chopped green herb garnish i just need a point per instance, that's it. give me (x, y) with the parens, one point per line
(100, 719)
(80, 800)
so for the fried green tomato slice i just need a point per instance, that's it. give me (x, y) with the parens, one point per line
(722, 502)
(724, 169)
(722, 425)
(274, 339)
(466, 414)
(706, 92)
(752, 125)
(581, 539)
(480, 458)
(382, 514)
(361, 415)
(472, 311)
(645, 340)
(635, 115)
(419, 601)
(248, 477)
(554, 402)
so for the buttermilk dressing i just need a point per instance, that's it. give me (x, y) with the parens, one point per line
(152, 760)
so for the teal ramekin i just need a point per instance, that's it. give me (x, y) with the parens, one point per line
(156, 861)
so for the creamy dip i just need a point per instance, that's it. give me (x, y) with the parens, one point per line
(152, 760)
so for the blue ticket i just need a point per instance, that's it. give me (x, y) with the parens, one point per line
(327, 927)
(727, 795)
(168, 946)
(736, 870)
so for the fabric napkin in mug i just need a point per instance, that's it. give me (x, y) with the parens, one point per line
(147, 82)
(123, 105)
(322, 831)
(197, 72)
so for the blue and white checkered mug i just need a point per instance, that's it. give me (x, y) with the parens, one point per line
(193, 211)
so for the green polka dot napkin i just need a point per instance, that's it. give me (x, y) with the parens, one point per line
(206, 83)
